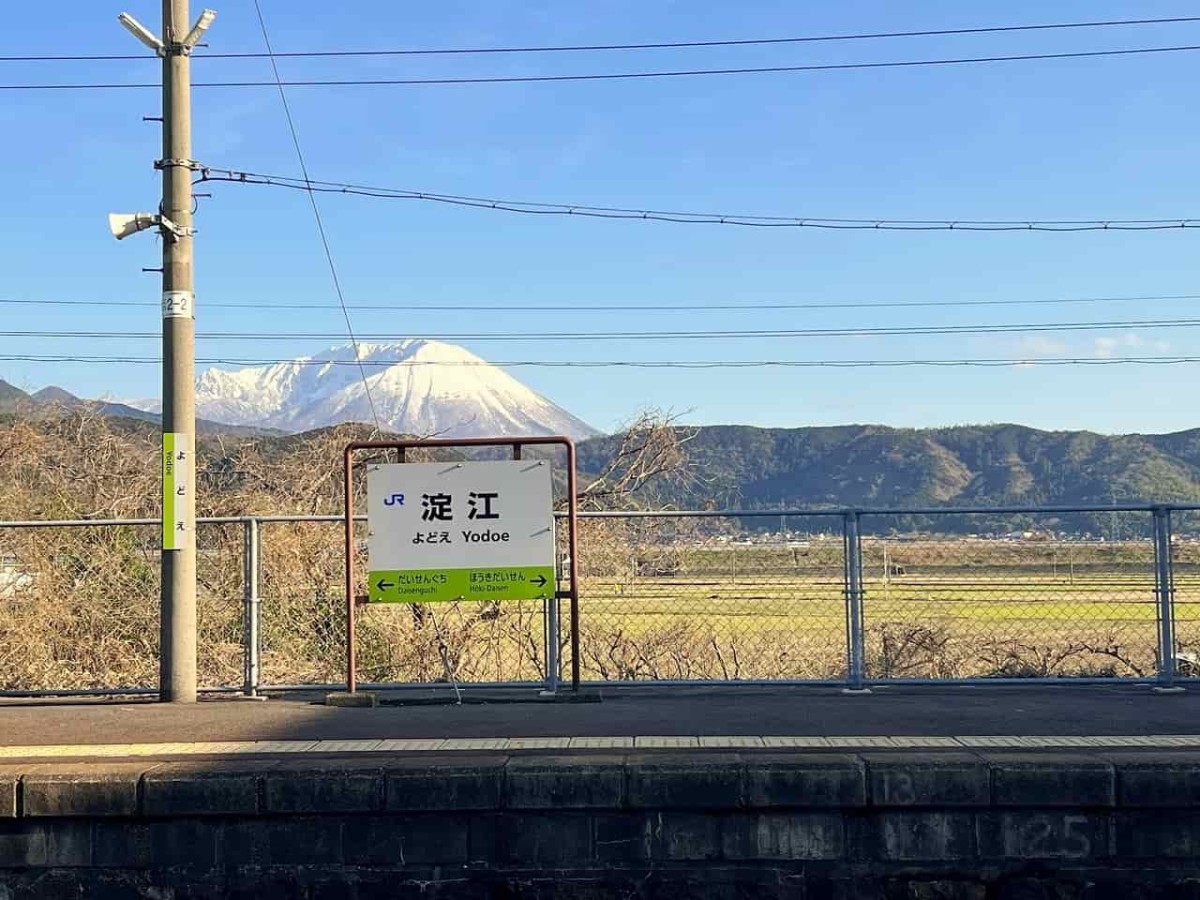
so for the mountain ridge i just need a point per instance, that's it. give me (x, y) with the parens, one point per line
(416, 386)
(855, 465)
(53, 398)
(968, 465)
(848, 466)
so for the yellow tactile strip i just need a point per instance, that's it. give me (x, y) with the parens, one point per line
(647, 742)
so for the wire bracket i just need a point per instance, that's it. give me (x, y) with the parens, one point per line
(189, 164)
(173, 231)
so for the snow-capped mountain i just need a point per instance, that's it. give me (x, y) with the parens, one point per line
(418, 387)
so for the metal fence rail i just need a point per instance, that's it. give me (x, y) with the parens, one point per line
(854, 597)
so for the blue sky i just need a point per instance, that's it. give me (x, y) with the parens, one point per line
(1111, 138)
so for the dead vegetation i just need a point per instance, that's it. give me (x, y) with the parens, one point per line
(79, 606)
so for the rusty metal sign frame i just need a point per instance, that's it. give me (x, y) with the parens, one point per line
(572, 593)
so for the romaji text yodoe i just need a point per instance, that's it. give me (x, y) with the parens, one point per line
(486, 536)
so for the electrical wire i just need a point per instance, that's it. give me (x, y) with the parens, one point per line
(638, 364)
(666, 45)
(610, 76)
(316, 209)
(625, 307)
(543, 336)
(578, 210)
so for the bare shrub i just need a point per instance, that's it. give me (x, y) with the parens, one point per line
(660, 598)
(79, 607)
(1106, 656)
(908, 649)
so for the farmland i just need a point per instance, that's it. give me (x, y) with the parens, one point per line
(661, 597)
(83, 612)
(935, 608)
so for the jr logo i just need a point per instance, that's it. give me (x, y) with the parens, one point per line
(394, 500)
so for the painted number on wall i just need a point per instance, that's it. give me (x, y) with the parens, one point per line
(1050, 836)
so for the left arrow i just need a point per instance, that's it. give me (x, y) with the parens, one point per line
(384, 585)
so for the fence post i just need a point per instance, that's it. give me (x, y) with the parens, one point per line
(550, 626)
(1164, 591)
(251, 606)
(852, 543)
(551, 618)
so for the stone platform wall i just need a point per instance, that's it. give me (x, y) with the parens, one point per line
(939, 826)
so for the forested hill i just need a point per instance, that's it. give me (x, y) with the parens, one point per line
(859, 466)
(984, 465)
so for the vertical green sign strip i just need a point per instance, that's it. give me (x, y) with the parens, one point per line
(169, 540)
(177, 477)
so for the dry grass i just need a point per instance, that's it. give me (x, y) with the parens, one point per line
(659, 599)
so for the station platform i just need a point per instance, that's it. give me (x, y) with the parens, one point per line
(628, 718)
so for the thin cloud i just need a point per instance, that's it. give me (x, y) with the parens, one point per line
(1109, 347)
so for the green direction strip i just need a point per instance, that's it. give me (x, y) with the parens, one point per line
(444, 585)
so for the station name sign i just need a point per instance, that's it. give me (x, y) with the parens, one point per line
(443, 532)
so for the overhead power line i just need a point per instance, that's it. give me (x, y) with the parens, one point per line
(638, 364)
(316, 211)
(578, 210)
(625, 307)
(663, 45)
(609, 76)
(543, 336)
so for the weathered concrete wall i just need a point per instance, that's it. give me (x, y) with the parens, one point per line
(642, 825)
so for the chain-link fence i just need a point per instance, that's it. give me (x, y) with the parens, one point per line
(832, 596)
(678, 597)
(1019, 606)
(79, 605)
(1185, 570)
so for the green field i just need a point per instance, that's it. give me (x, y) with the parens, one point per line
(945, 609)
(85, 613)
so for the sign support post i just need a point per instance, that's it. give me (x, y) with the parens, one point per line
(463, 531)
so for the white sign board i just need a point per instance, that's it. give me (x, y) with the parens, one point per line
(460, 531)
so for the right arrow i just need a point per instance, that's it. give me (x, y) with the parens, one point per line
(540, 581)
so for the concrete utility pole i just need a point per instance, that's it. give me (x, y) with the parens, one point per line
(177, 660)
(177, 653)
